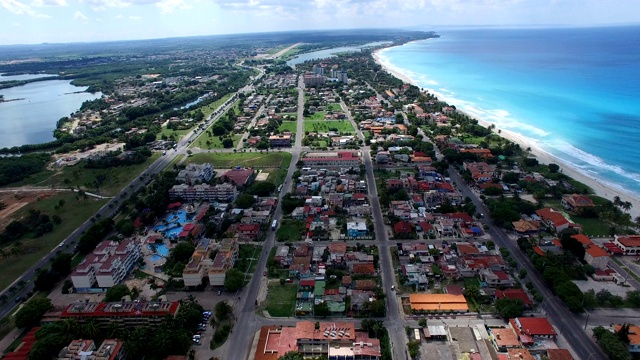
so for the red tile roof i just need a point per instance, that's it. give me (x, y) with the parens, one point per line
(402, 227)
(559, 354)
(514, 294)
(534, 326)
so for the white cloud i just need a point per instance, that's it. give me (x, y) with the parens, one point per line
(40, 3)
(135, 17)
(167, 6)
(119, 16)
(80, 16)
(20, 8)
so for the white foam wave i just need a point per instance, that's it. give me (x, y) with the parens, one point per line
(590, 162)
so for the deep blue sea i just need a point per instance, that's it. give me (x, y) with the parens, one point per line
(573, 92)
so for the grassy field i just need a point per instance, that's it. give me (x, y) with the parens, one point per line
(281, 300)
(324, 126)
(592, 226)
(229, 160)
(290, 230)
(205, 141)
(177, 134)
(73, 214)
(334, 107)
(116, 178)
(245, 253)
(290, 126)
(317, 116)
(208, 109)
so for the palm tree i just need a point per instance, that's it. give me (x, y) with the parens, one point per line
(91, 329)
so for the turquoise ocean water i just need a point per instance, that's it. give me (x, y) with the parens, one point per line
(573, 92)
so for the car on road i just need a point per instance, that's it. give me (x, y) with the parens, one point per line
(19, 299)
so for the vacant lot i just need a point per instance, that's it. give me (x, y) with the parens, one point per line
(290, 230)
(288, 126)
(248, 159)
(325, 126)
(205, 141)
(245, 255)
(74, 212)
(208, 109)
(281, 299)
(317, 116)
(112, 180)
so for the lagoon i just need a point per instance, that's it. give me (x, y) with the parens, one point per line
(5, 78)
(323, 54)
(33, 116)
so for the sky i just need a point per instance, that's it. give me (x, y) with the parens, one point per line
(60, 21)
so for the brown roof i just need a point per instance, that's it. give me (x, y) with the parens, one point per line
(365, 268)
(438, 302)
(559, 354)
(505, 337)
(364, 284)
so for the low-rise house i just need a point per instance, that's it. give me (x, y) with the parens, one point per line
(504, 339)
(496, 278)
(530, 329)
(519, 294)
(556, 220)
(634, 337)
(629, 244)
(403, 229)
(575, 202)
(356, 229)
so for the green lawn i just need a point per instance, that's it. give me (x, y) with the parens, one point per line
(317, 116)
(334, 107)
(229, 160)
(290, 126)
(324, 126)
(208, 109)
(281, 299)
(205, 141)
(290, 230)
(592, 226)
(245, 253)
(175, 135)
(116, 178)
(73, 214)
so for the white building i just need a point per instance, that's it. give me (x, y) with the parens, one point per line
(108, 265)
(194, 173)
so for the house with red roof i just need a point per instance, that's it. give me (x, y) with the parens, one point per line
(556, 220)
(629, 244)
(519, 294)
(239, 176)
(247, 231)
(530, 329)
(403, 229)
(363, 269)
(495, 278)
(594, 255)
(575, 202)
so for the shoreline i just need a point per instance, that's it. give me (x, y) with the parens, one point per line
(597, 186)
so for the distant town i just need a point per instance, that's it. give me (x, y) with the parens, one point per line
(218, 202)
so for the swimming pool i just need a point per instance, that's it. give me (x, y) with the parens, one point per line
(175, 221)
(161, 251)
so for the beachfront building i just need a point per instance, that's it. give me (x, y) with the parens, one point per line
(332, 160)
(195, 173)
(108, 265)
(333, 340)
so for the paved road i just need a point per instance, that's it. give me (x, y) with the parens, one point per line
(580, 342)
(239, 343)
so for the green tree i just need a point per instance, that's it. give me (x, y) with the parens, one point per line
(223, 310)
(633, 297)
(227, 143)
(233, 280)
(31, 313)
(321, 310)
(245, 201)
(291, 355)
(182, 252)
(509, 308)
(117, 292)
(62, 264)
(553, 168)
(262, 188)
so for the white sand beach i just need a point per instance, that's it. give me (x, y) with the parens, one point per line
(599, 187)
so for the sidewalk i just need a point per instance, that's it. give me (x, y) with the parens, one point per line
(4, 343)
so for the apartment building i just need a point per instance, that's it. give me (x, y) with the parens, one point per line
(108, 265)
(220, 192)
(127, 314)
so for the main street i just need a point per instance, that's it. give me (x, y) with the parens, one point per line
(557, 313)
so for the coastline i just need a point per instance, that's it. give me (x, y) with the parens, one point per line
(599, 188)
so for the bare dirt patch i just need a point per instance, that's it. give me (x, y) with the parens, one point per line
(15, 200)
